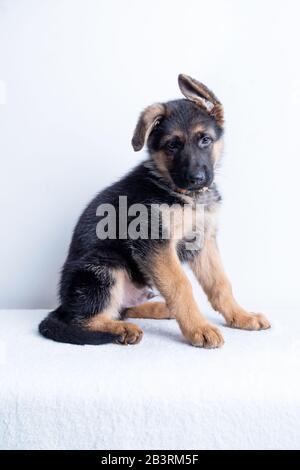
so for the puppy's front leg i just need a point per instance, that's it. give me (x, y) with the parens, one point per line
(208, 269)
(174, 286)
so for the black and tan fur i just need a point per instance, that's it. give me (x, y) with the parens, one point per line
(184, 140)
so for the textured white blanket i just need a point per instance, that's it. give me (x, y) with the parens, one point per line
(160, 394)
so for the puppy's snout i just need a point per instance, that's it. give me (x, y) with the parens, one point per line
(198, 179)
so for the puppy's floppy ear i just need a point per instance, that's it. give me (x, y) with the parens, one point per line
(202, 96)
(149, 118)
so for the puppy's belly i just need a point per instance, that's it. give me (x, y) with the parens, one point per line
(133, 296)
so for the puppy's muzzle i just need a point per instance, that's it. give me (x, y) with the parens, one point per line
(198, 180)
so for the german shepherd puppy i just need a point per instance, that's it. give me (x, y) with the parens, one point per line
(104, 281)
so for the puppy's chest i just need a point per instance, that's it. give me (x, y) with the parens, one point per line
(183, 223)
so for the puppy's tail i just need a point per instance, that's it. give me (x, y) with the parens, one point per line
(53, 327)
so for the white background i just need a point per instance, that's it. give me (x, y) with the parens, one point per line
(74, 77)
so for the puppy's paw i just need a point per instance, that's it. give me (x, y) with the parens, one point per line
(205, 336)
(130, 334)
(249, 321)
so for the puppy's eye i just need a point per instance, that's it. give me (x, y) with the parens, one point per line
(173, 145)
(205, 141)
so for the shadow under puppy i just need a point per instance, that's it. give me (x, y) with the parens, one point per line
(105, 281)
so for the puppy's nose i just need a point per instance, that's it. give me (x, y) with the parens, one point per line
(199, 179)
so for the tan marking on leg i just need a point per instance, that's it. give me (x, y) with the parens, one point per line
(156, 310)
(128, 333)
(174, 285)
(116, 295)
(106, 322)
(209, 271)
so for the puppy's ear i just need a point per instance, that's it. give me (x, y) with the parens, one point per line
(149, 118)
(202, 96)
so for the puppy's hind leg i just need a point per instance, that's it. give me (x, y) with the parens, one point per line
(91, 298)
(155, 310)
(107, 320)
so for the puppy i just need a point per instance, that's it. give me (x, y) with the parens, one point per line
(107, 279)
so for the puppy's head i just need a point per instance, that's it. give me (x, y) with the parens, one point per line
(184, 137)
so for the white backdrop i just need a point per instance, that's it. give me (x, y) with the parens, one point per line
(74, 76)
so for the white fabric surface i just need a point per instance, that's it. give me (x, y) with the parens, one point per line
(161, 394)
